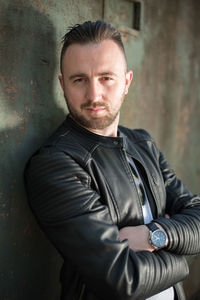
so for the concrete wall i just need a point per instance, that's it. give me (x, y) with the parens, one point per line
(164, 98)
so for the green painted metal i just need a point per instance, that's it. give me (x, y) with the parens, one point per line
(165, 94)
(164, 98)
(31, 107)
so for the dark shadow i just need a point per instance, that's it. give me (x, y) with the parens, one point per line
(29, 264)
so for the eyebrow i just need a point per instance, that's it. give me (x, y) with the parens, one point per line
(85, 75)
(77, 75)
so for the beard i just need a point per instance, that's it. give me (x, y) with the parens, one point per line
(94, 122)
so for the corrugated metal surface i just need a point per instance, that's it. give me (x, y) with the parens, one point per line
(164, 98)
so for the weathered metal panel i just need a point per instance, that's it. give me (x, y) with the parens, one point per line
(165, 94)
(31, 107)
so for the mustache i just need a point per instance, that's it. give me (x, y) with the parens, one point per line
(94, 104)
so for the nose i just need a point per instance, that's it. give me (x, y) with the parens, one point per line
(94, 91)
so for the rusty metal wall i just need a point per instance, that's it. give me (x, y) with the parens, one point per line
(165, 94)
(164, 98)
(31, 107)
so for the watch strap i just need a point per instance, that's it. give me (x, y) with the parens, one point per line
(152, 226)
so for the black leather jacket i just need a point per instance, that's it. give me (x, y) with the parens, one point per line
(81, 189)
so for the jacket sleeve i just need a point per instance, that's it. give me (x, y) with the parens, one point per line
(77, 222)
(183, 227)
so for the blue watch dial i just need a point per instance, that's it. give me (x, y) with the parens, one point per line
(158, 238)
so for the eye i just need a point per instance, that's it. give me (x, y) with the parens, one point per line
(107, 78)
(77, 80)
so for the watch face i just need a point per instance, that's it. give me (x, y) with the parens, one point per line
(158, 238)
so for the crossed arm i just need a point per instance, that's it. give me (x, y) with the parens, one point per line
(138, 237)
(82, 221)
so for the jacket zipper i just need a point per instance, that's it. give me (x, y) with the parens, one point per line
(153, 192)
(149, 180)
(140, 205)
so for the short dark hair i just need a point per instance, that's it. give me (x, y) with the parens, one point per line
(90, 32)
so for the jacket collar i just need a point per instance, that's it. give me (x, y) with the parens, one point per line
(105, 141)
(122, 141)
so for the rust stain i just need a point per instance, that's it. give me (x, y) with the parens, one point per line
(183, 124)
(12, 89)
(40, 6)
(123, 14)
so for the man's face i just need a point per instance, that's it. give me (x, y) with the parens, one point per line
(95, 82)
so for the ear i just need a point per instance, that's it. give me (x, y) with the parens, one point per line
(60, 77)
(129, 77)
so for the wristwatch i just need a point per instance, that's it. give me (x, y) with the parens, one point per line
(157, 237)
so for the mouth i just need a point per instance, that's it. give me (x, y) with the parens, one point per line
(95, 110)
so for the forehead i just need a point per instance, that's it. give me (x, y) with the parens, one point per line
(106, 54)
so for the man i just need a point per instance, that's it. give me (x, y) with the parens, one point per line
(94, 185)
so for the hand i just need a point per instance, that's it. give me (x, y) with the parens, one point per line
(138, 237)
